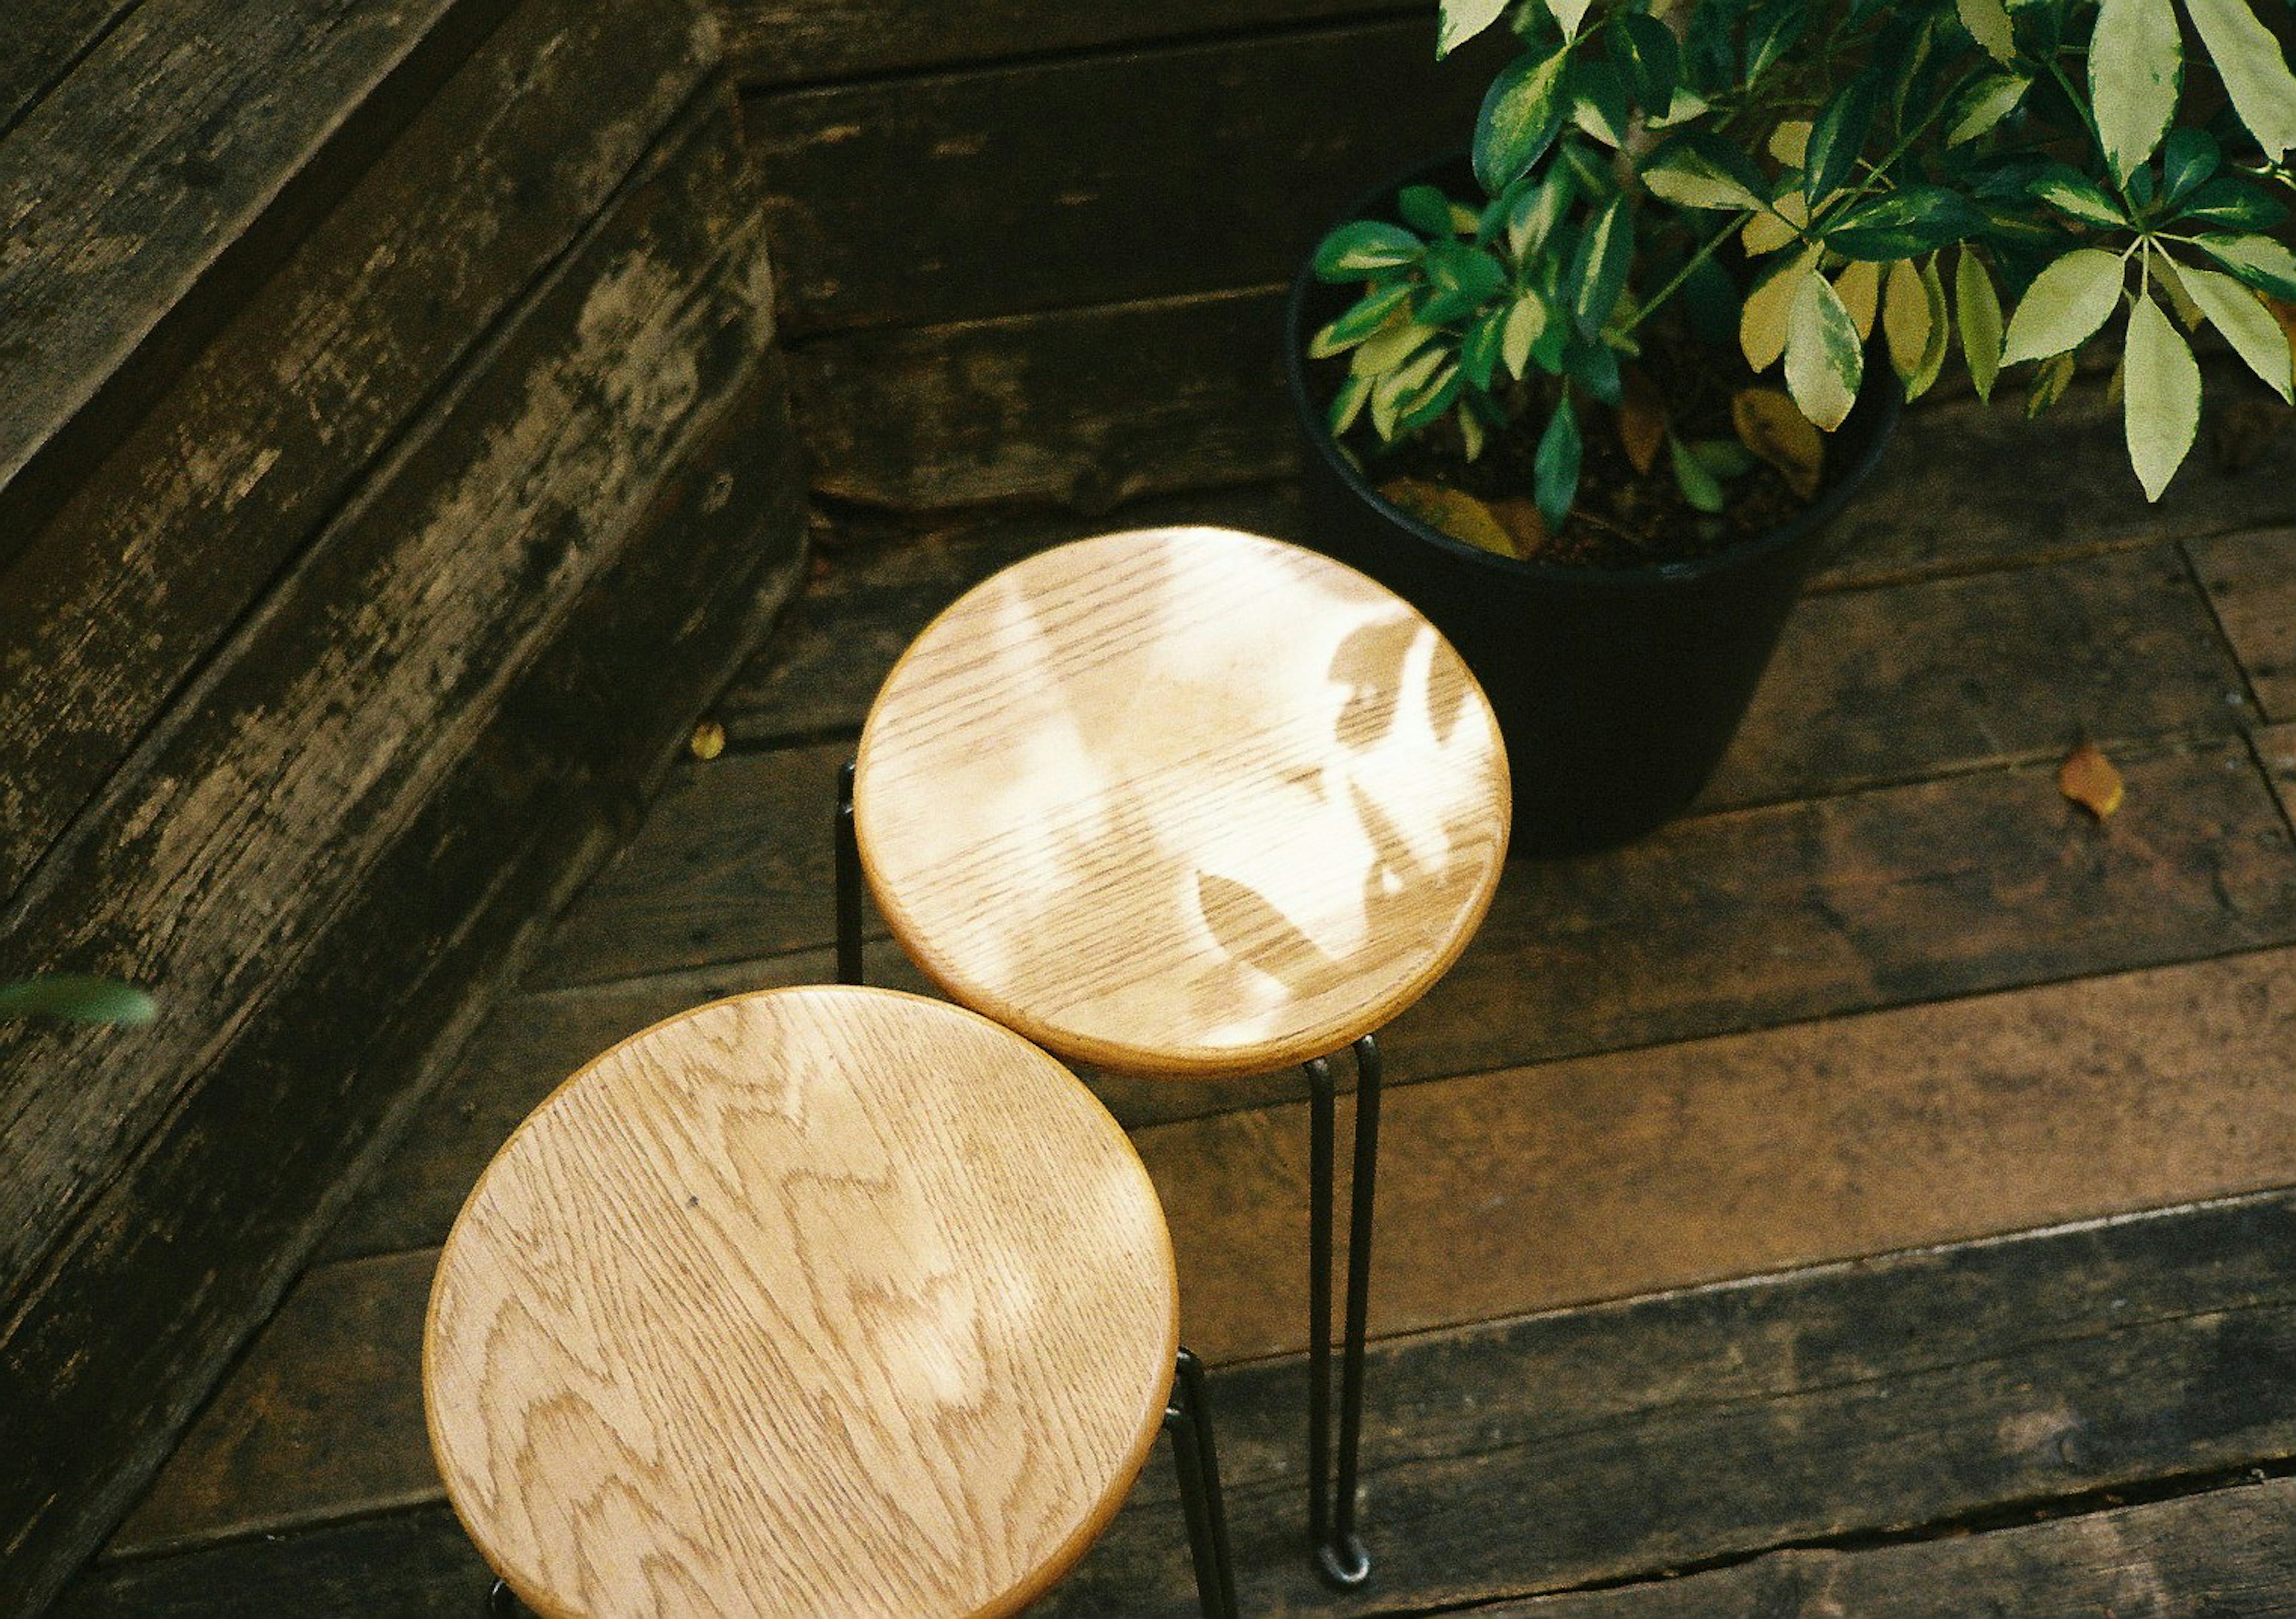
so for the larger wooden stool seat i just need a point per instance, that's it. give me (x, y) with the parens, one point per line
(1192, 803)
(829, 1301)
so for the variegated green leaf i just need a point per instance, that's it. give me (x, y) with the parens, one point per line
(2264, 264)
(1462, 20)
(1598, 270)
(1361, 321)
(1346, 404)
(1526, 323)
(1521, 113)
(1989, 101)
(2255, 73)
(2051, 378)
(1569, 13)
(1768, 314)
(2135, 71)
(1685, 178)
(1906, 321)
(1977, 306)
(2246, 323)
(1397, 388)
(2160, 400)
(1988, 23)
(1363, 246)
(2065, 304)
(1389, 348)
(1697, 482)
(1940, 320)
(2078, 195)
(1824, 363)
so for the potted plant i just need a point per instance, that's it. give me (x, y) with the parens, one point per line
(1587, 393)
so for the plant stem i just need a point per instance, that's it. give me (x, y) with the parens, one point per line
(1673, 286)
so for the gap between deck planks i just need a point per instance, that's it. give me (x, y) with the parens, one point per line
(1501, 1194)
(1914, 1394)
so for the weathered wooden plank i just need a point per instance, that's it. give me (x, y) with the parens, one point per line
(216, 855)
(1694, 1480)
(733, 863)
(1086, 407)
(1966, 484)
(165, 174)
(2276, 750)
(1978, 881)
(874, 586)
(2223, 1553)
(528, 1045)
(1880, 898)
(1501, 1195)
(1892, 684)
(292, 829)
(247, 1180)
(108, 609)
(776, 42)
(45, 38)
(2250, 579)
(1045, 407)
(1607, 1176)
(1089, 179)
(1615, 1441)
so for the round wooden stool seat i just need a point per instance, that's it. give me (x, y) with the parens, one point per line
(828, 1301)
(1182, 801)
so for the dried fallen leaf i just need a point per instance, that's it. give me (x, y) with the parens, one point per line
(708, 741)
(1773, 426)
(1642, 418)
(1454, 511)
(1520, 518)
(2089, 779)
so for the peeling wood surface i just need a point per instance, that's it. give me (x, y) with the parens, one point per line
(143, 194)
(1087, 408)
(44, 38)
(2250, 579)
(2275, 751)
(106, 611)
(1098, 179)
(770, 42)
(361, 808)
(336, 704)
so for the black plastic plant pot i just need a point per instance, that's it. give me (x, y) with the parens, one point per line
(1618, 690)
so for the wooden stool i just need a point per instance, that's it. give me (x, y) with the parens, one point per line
(815, 1301)
(1189, 802)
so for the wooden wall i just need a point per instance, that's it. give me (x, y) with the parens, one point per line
(1032, 251)
(393, 460)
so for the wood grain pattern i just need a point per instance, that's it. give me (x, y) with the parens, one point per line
(45, 37)
(876, 584)
(457, 561)
(107, 610)
(2275, 751)
(1095, 178)
(165, 174)
(240, 1181)
(1909, 1393)
(815, 1302)
(1501, 1195)
(1087, 408)
(2250, 579)
(772, 42)
(1182, 801)
(2222, 1554)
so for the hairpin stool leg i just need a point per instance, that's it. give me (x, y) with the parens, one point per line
(502, 1603)
(1188, 1417)
(849, 882)
(1340, 1551)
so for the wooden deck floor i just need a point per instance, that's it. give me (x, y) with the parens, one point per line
(1875, 1195)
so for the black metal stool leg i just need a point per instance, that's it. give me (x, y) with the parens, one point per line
(502, 1603)
(1188, 1419)
(1340, 1551)
(849, 882)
